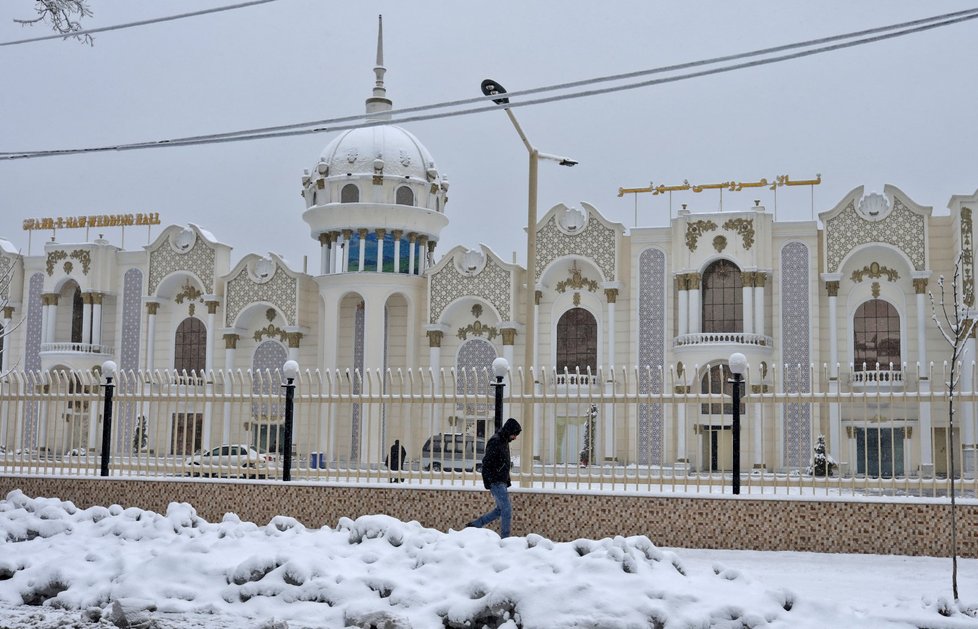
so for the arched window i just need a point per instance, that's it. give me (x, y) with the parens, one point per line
(716, 380)
(405, 196)
(723, 298)
(77, 316)
(876, 336)
(268, 413)
(473, 371)
(577, 342)
(190, 347)
(350, 193)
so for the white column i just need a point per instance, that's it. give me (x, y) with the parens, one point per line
(760, 279)
(757, 430)
(324, 251)
(151, 308)
(683, 313)
(536, 346)
(422, 258)
(211, 334)
(86, 318)
(363, 249)
(923, 379)
(967, 385)
(411, 248)
(52, 318)
(396, 234)
(371, 448)
(8, 315)
(45, 315)
(835, 410)
(294, 338)
(230, 346)
(380, 249)
(333, 249)
(695, 313)
(612, 295)
(747, 290)
(97, 318)
(345, 259)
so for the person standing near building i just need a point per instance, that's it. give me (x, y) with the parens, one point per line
(395, 460)
(495, 476)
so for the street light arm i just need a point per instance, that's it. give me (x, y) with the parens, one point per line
(519, 130)
(560, 159)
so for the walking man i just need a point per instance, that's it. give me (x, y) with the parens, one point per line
(495, 476)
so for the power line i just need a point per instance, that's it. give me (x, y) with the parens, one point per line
(117, 27)
(336, 124)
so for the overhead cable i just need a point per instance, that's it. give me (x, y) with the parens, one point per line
(398, 115)
(117, 27)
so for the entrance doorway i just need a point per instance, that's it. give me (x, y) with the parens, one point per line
(716, 449)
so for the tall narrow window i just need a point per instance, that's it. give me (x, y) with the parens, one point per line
(405, 196)
(190, 347)
(723, 298)
(350, 193)
(577, 342)
(717, 381)
(77, 316)
(876, 336)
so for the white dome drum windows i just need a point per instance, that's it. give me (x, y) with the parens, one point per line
(350, 193)
(404, 196)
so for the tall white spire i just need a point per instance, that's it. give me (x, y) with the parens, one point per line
(378, 105)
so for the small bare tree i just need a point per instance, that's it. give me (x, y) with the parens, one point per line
(61, 14)
(955, 326)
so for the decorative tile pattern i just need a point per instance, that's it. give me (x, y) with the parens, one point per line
(32, 353)
(493, 283)
(651, 344)
(595, 242)
(824, 526)
(472, 368)
(5, 264)
(132, 289)
(280, 290)
(796, 352)
(968, 257)
(198, 260)
(901, 228)
(357, 380)
(268, 360)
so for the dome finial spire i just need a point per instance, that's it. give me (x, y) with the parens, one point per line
(378, 105)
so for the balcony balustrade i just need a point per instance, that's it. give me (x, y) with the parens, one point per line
(722, 338)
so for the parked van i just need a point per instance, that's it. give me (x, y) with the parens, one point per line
(453, 451)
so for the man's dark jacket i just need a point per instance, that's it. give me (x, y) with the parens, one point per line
(496, 463)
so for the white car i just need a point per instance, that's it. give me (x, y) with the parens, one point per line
(229, 461)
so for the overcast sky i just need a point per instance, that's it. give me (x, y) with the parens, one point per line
(903, 111)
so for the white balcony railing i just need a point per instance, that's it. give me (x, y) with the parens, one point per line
(76, 348)
(877, 377)
(722, 338)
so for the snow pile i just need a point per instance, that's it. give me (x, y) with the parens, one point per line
(127, 566)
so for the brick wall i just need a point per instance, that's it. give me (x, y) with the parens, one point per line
(910, 527)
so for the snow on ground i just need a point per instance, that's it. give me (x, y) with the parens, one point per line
(66, 567)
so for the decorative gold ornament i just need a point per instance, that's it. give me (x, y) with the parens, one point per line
(832, 288)
(719, 243)
(875, 271)
(744, 227)
(876, 290)
(188, 293)
(270, 331)
(577, 281)
(695, 229)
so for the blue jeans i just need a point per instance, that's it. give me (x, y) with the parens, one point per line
(503, 510)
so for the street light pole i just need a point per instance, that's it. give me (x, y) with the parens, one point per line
(291, 371)
(108, 370)
(500, 367)
(738, 365)
(492, 88)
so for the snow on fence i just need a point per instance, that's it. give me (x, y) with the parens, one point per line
(803, 431)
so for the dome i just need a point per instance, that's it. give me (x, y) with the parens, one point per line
(356, 152)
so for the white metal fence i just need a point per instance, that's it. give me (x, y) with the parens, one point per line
(885, 431)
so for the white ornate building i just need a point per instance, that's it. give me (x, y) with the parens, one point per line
(847, 291)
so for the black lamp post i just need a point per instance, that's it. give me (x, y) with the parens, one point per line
(500, 367)
(291, 372)
(108, 370)
(738, 366)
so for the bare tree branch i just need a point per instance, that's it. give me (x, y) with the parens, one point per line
(61, 14)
